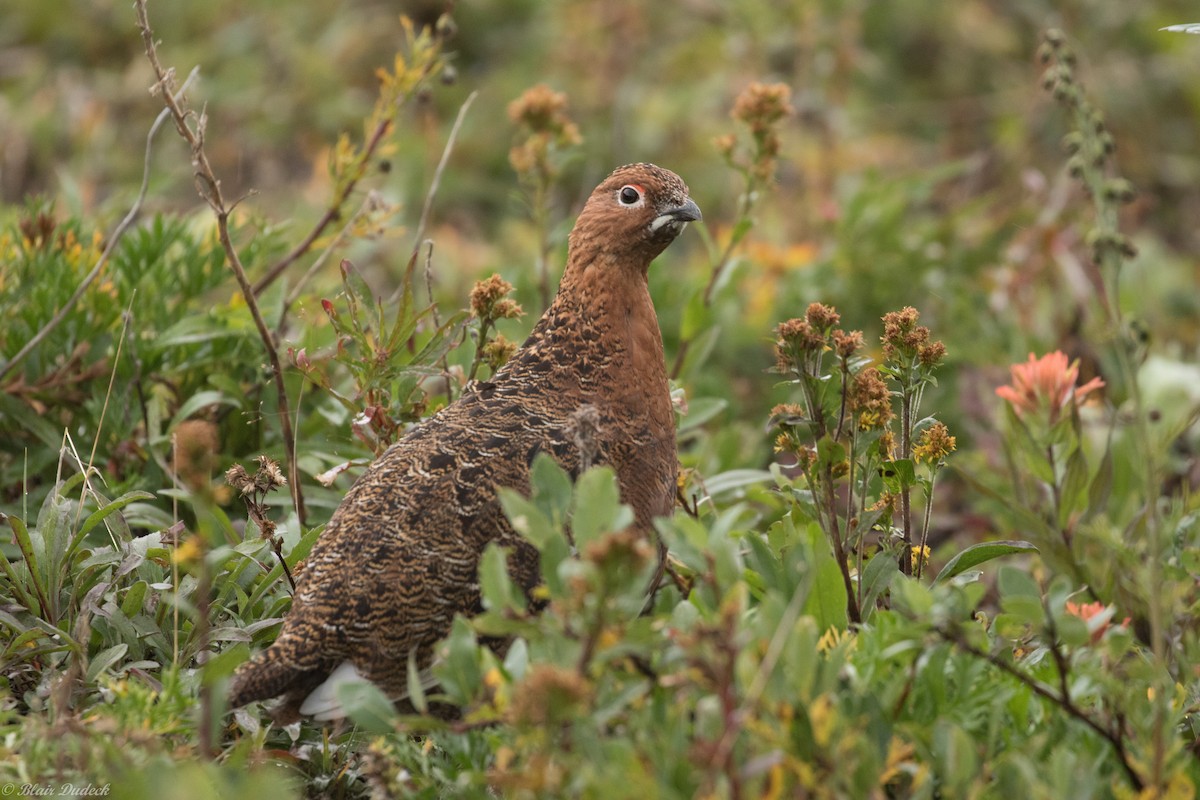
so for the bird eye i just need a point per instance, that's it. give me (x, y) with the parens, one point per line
(629, 196)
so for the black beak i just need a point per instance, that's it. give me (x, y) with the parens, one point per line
(688, 212)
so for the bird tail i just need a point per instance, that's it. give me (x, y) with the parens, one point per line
(266, 675)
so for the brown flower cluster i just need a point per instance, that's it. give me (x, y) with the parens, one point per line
(498, 351)
(761, 107)
(846, 344)
(794, 340)
(542, 113)
(267, 477)
(799, 338)
(489, 300)
(549, 694)
(195, 452)
(821, 316)
(623, 552)
(254, 489)
(871, 400)
(903, 337)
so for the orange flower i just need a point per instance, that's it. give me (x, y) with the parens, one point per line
(1046, 382)
(1086, 611)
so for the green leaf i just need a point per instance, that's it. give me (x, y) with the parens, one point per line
(200, 401)
(516, 660)
(700, 411)
(526, 518)
(1073, 631)
(1015, 582)
(496, 585)
(105, 659)
(877, 576)
(598, 507)
(1073, 496)
(102, 513)
(912, 596)
(131, 606)
(1102, 484)
(551, 488)
(701, 349)
(25, 544)
(899, 475)
(458, 672)
(826, 600)
(829, 452)
(977, 554)
(26, 419)
(416, 692)
(367, 705)
(735, 479)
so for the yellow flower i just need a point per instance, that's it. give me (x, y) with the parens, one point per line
(935, 444)
(920, 555)
(832, 638)
(187, 553)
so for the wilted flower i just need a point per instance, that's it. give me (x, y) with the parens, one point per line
(268, 476)
(822, 317)
(549, 694)
(237, 477)
(725, 145)
(622, 551)
(762, 107)
(930, 355)
(489, 300)
(196, 447)
(498, 351)
(871, 399)
(542, 113)
(1046, 383)
(846, 344)
(903, 336)
(796, 339)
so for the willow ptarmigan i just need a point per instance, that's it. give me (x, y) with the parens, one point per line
(400, 556)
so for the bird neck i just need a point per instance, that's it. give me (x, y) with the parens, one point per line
(608, 300)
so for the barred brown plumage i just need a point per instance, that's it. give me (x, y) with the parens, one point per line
(399, 557)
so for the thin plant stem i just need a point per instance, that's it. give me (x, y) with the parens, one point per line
(1113, 737)
(419, 237)
(210, 189)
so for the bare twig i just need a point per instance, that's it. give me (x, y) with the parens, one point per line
(437, 173)
(437, 320)
(210, 189)
(427, 207)
(113, 240)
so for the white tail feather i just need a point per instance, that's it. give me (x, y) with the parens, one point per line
(323, 705)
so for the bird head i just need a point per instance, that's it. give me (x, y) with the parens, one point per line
(633, 215)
